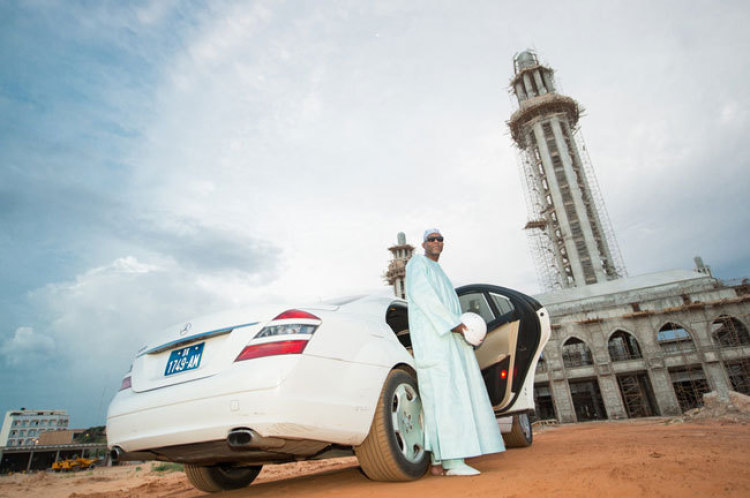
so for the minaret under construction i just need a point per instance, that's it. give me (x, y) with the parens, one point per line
(396, 274)
(571, 238)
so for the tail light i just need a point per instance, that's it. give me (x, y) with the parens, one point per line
(296, 314)
(127, 383)
(272, 349)
(286, 329)
(299, 324)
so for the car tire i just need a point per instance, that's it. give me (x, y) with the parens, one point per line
(521, 434)
(220, 477)
(394, 448)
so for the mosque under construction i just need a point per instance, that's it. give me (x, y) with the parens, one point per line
(621, 347)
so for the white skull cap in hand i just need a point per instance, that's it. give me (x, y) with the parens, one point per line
(476, 328)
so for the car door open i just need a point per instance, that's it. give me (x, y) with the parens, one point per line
(512, 342)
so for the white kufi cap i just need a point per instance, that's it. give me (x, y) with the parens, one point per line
(429, 232)
(476, 328)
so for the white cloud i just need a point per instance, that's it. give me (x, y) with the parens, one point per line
(101, 318)
(27, 347)
(128, 264)
(152, 12)
(108, 312)
(733, 114)
(88, 329)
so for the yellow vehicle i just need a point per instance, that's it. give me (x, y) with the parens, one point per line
(73, 464)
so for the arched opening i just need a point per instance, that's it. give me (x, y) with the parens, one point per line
(729, 332)
(623, 346)
(690, 384)
(637, 394)
(544, 405)
(673, 338)
(587, 400)
(739, 375)
(575, 353)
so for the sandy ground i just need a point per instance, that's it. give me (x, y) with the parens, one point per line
(641, 457)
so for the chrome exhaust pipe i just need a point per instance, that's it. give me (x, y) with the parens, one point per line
(243, 439)
(240, 438)
(115, 454)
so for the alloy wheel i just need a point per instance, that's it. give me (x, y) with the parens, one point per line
(406, 417)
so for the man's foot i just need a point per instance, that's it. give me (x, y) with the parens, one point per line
(461, 469)
(437, 470)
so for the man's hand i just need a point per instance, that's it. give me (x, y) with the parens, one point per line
(459, 329)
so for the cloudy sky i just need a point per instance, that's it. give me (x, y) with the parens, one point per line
(162, 160)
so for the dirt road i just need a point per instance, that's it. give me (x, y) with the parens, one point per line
(642, 457)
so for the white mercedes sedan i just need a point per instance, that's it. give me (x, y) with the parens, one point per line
(228, 393)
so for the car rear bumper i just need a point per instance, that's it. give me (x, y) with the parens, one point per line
(294, 396)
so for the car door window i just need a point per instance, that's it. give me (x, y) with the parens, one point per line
(477, 303)
(502, 303)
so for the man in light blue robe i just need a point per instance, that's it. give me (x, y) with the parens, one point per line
(458, 416)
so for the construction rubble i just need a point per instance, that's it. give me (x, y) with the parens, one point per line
(732, 408)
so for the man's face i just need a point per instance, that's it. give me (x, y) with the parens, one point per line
(432, 246)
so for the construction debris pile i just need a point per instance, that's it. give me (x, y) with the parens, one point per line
(733, 408)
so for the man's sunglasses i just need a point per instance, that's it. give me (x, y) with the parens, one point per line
(433, 239)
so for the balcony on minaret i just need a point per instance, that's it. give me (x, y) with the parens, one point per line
(531, 78)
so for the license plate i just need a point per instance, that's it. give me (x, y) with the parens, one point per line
(181, 360)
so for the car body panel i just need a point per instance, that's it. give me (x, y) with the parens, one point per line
(218, 353)
(220, 350)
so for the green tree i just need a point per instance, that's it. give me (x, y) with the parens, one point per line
(92, 435)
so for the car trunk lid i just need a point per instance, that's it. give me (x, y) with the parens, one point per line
(199, 348)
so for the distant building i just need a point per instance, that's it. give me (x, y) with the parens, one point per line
(23, 427)
(64, 436)
(396, 273)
